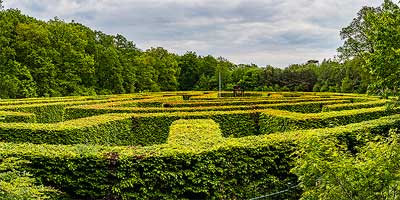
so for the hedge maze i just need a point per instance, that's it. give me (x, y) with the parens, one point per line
(178, 145)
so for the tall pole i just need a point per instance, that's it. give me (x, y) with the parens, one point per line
(219, 83)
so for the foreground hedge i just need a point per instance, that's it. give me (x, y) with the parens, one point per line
(227, 168)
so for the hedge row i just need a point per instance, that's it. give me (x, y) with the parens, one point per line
(4, 102)
(76, 112)
(54, 112)
(110, 129)
(197, 103)
(249, 102)
(280, 121)
(219, 102)
(38, 101)
(153, 128)
(214, 95)
(245, 94)
(368, 104)
(231, 168)
(8, 117)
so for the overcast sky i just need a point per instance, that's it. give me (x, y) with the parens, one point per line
(275, 32)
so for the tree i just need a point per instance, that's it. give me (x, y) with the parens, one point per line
(166, 69)
(190, 71)
(16, 81)
(223, 68)
(251, 78)
(109, 71)
(146, 75)
(383, 62)
(373, 37)
(56, 58)
(356, 41)
(74, 66)
(330, 168)
(209, 73)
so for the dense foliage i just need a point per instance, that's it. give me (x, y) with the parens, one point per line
(328, 170)
(57, 58)
(373, 37)
(16, 183)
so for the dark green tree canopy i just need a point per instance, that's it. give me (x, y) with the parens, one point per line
(58, 58)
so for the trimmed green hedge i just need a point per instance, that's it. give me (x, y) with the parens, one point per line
(76, 112)
(55, 112)
(236, 168)
(9, 117)
(123, 129)
(368, 104)
(110, 129)
(245, 94)
(247, 102)
(280, 121)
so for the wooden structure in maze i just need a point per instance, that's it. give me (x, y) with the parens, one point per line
(154, 144)
(238, 91)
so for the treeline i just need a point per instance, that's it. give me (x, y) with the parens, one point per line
(56, 58)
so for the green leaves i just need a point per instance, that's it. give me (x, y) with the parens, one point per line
(328, 170)
(374, 36)
(16, 183)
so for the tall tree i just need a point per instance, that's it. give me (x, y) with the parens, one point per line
(384, 61)
(146, 75)
(356, 41)
(190, 71)
(166, 68)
